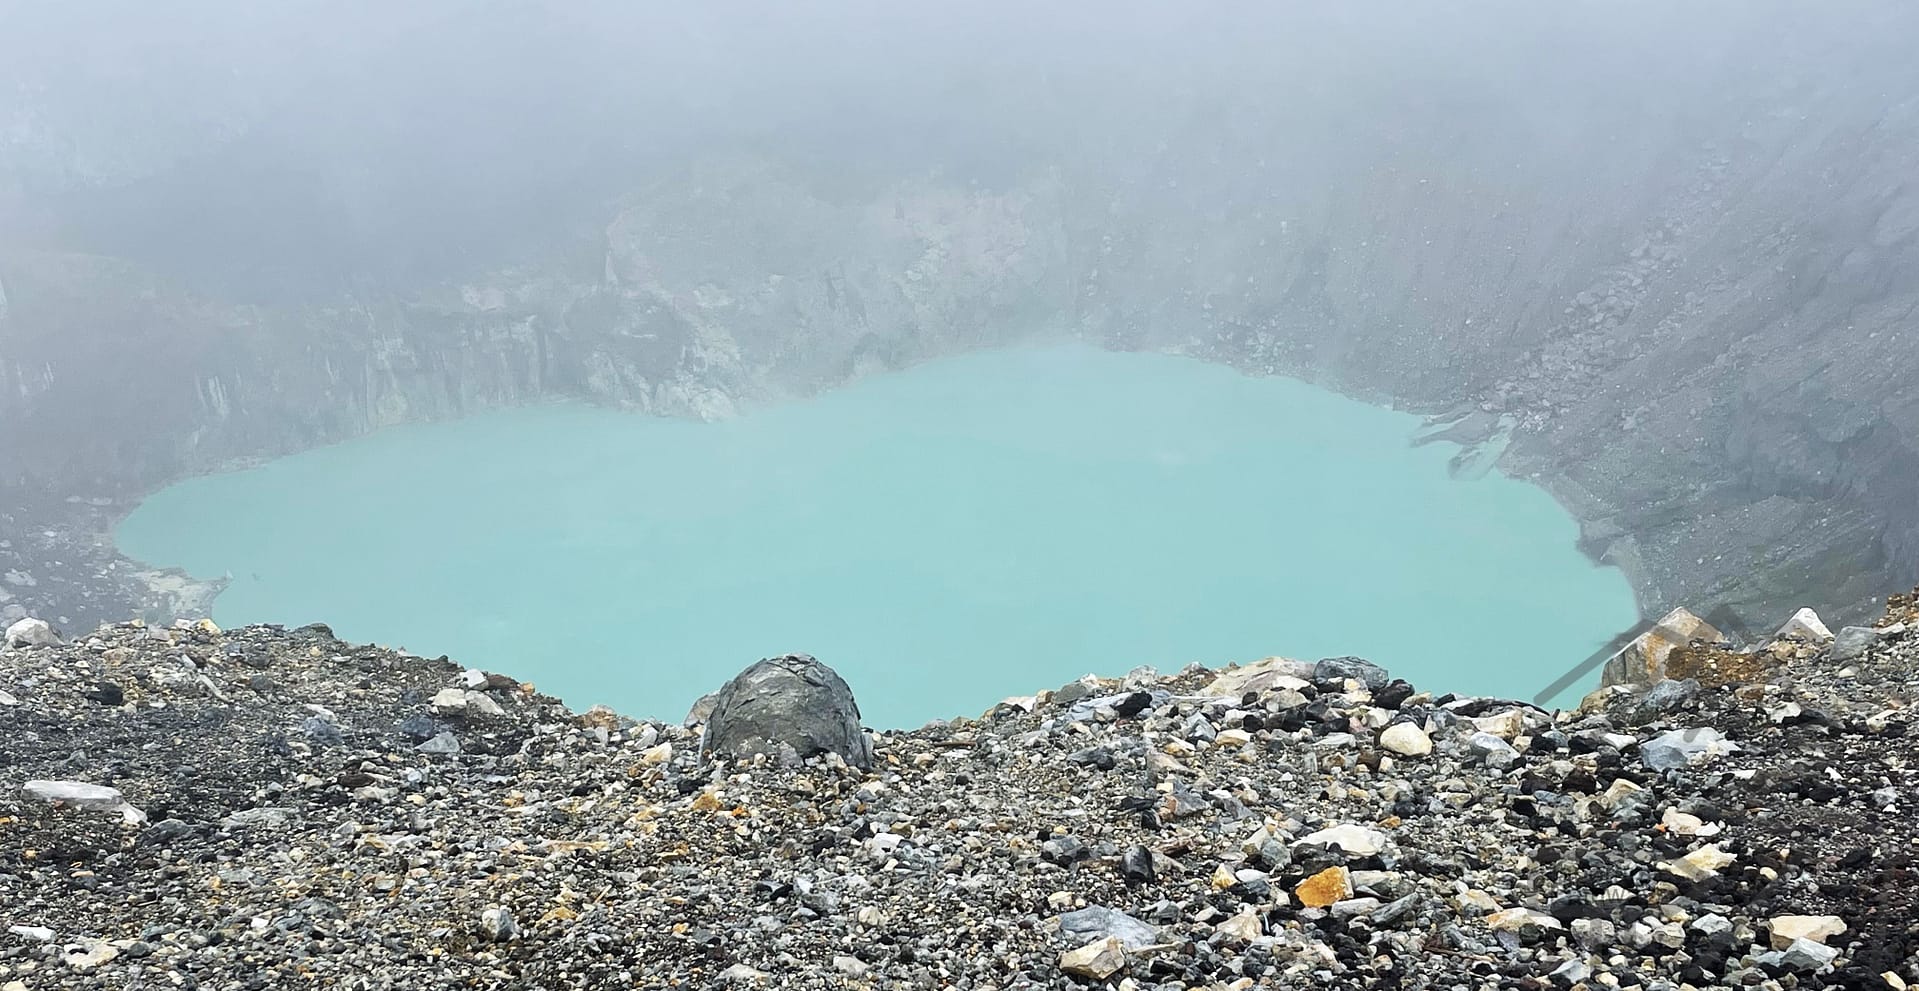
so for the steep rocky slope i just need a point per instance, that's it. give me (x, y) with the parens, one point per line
(1670, 259)
(257, 807)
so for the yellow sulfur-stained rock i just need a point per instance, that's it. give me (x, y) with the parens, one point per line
(1324, 888)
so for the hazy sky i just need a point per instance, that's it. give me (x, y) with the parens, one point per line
(214, 131)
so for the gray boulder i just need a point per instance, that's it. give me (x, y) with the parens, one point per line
(1853, 642)
(1667, 696)
(1357, 669)
(793, 701)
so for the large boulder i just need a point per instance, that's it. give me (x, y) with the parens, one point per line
(31, 633)
(1643, 661)
(791, 701)
(1804, 625)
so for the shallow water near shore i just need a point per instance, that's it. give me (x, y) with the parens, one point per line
(977, 527)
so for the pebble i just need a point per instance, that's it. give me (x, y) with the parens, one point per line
(89, 956)
(1516, 919)
(1243, 927)
(1853, 642)
(740, 973)
(1802, 954)
(498, 925)
(1099, 922)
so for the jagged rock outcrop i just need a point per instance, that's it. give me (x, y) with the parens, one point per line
(1643, 661)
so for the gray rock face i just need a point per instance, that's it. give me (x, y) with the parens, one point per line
(794, 701)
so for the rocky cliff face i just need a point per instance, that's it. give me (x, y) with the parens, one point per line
(1684, 299)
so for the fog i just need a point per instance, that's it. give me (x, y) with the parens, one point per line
(288, 145)
(1669, 251)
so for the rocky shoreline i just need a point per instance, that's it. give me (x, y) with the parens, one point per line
(260, 807)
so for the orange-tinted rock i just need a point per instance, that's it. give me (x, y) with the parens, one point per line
(1325, 888)
(1644, 660)
(1714, 667)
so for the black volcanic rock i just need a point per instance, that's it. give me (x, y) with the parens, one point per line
(792, 701)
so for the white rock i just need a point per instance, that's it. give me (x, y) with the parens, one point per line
(39, 933)
(481, 704)
(1786, 928)
(1356, 840)
(450, 701)
(1506, 725)
(1619, 793)
(1515, 919)
(1804, 625)
(1263, 676)
(1098, 960)
(1681, 824)
(1407, 740)
(81, 795)
(31, 633)
(1685, 747)
(1244, 927)
(87, 956)
(1702, 863)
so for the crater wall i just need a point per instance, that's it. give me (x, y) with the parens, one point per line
(1678, 251)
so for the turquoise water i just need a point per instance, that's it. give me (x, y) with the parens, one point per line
(977, 527)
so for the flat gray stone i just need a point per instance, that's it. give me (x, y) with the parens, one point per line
(1098, 922)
